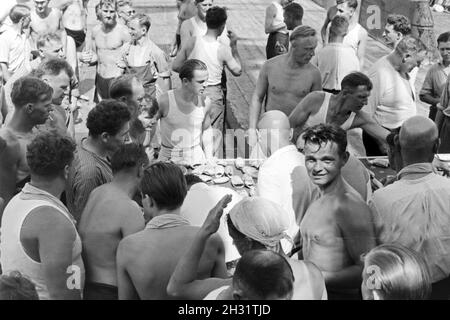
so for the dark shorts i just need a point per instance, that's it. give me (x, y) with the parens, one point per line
(271, 48)
(100, 291)
(78, 36)
(444, 135)
(102, 87)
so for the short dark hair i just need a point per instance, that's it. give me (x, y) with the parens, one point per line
(192, 179)
(302, 32)
(122, 86)
(15, 286)
(324, 133)
(264, 275)
(108, 116)
(53, 67)
(49, 153)
(165, 184)
(30, 90)
(444, 37)
(339, 26)
(144, 20)
(18, 12)
(294, 10)
(356, 79)
(352, 4)
(128, 156)
(43, 39)
(400, 23)
(216, 17)
(411, 45)
(188, 68)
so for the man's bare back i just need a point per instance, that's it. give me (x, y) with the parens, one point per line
(108, 46)
(286, 87)
(74, 16)
(157, 252)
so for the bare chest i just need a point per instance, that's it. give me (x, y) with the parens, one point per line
(110, 41)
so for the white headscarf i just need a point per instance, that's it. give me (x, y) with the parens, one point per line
(261, 220)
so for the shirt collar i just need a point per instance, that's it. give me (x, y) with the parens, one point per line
(286, 149)
(416, 168)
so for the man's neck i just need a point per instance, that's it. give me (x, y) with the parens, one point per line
(142, 41)
(125, 183)
(396, 62)
(109, 27)
(336, 39)
(95, 146)
(21, 123)
(335, 186)
(281, 144)
(51, 187)
(292, 63)
(187, 95)
(200, 18)
(211, 34)
(163, 212)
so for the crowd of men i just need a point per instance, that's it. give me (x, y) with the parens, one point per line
(114, 216)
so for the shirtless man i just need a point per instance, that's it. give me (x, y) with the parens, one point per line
(285, 80)
(46, 20)
(147, 259)
(338, 227)
(109, 216)
(106, 43)
(186, 131)
(186, 10)
(331, 13)
(32, 99)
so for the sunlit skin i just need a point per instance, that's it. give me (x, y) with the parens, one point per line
(391, 37)
(303, 49)
(198, 83)
(444, 51)
(40, 111)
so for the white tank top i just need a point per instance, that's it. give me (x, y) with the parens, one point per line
(352, 37)
(199, 30)
(13, 256)
(208, 52)
(181, 133)
(279, 18)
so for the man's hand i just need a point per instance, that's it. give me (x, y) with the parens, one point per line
(441, 166)
(212, 222)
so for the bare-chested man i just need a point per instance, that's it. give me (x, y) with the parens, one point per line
(285, 80)
(106, 44)
(146, 260)
(109, 216)
(32, 99)
(338, 227)
(46, 20)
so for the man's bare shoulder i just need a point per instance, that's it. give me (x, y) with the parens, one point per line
(96, 29)
(10, 145)
(276, 62)
(313, 98)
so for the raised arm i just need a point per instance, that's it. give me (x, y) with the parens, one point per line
(183, 54)
(231, 56)
(323, 31)
(185, 32)
(183, 283)
(262, 86)
(362, 47)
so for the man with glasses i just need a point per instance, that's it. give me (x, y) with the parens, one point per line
(125, 11)
(15, 49)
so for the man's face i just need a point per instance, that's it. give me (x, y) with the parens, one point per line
(109, 15)
(391, 37)
(52, 49)
(136, 30)
(323, 163)
(41, 5)
(41, 111)
(122, 137)
(303, 49)
(204, 6)
(357, 98)
(444, 50)
(198, 83)
(289, 21)
(126, 12)
(345, 11)
(137, 101)
(60, 85)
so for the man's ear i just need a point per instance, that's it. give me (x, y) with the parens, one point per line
(66, 172)
(237, 294)
(29, 108)
(105, 136)
(345, 157)
(123, 99)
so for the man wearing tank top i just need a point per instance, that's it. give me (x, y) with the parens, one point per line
(38, 234)
(357, 35)
(215, 55)
(196, 26)
(45, 20)
(274, 25)
(186, 133)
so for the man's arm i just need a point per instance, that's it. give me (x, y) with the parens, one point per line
(56, 237)
(127, 291)
(317, 80)
(185, 32)
(133, 222)
(364, 120)
(183, 54)
(63, 32)
(208, 132)
(362, 47)
(220, 267)
(356, 224)
(9, 158)
(426, 92)
(261, 90)
(323, 31)
(300, 115)
(183, 283)
(232, 59)
(271, 13)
